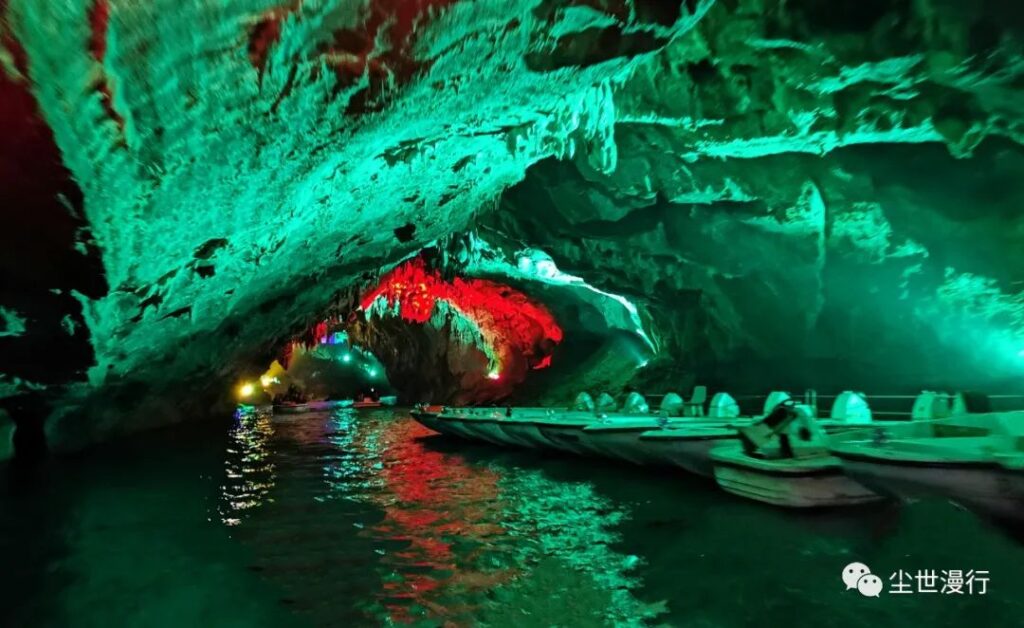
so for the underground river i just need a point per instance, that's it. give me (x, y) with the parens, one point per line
(363, 518)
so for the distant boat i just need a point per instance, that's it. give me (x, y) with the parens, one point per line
(309, 406)
(291, 408)
(367, 402)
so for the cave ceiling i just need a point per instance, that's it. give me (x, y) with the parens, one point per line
(803, 188)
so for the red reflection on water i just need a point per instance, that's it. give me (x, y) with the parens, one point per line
(436, 495)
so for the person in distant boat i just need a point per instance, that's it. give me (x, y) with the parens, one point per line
(291, 396)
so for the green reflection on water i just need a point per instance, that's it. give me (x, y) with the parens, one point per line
(448, 540)
(356, 519)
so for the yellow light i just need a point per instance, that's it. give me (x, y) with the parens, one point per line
(266, 380)
(246, 390)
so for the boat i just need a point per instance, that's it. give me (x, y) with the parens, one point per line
(310, 406)
(619, 437)
(563, 430)
(291, 408)
(519, 426)
(546, 427)
(974, 460)
(633, 434)
(516, 426)
(476, 424)
(689, 446)
(783, 460)
(429, 416)
(531, 427)
(522, 427)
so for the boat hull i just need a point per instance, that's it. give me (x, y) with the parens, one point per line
(524, 434)
(565, 437)
(986, 488)
(624, 444)
(291, 409)
(479, 429)
(819, 483)
(429, 420)
(691, 452)
(690, 448)
(452, 427)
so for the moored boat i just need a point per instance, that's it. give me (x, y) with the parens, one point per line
(787, 465)
(689, 446)
(429, 417)
(620, 437)
(975, 460)
(477, 424)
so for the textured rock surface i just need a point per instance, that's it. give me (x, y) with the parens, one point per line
(823, 191)
(816, 194)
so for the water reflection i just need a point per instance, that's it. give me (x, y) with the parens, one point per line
(451, 541)
(364, 518)
(248, 467)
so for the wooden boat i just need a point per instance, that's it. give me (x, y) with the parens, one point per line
(783, 460)
(975, 460)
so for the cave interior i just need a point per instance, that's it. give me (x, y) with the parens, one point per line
(504, 202)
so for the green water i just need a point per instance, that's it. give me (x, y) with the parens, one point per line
(360, 518)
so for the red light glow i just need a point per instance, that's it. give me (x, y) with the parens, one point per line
(521, 333)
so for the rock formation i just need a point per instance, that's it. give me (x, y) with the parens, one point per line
(754, 193)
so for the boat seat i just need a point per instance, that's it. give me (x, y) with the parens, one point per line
(584, 402)
(671, 405)
(635, 404)
(773, 400)
(695, 406)
(723, 406)
(605, 403)
(931, 405)
(850, 407)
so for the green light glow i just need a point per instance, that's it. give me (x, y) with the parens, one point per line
(265, 174)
